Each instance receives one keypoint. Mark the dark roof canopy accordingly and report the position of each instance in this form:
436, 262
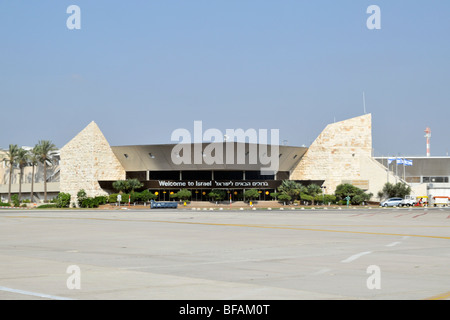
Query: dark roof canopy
159, 157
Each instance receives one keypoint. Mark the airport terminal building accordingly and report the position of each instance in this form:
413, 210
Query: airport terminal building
154, 167
342, 153
88, 162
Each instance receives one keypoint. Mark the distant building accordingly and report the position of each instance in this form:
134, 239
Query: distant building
428, 176
53, 178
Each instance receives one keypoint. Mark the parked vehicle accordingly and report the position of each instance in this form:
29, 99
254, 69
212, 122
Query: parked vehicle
421, 201
156, 205
440, 201
409, 201
391, 202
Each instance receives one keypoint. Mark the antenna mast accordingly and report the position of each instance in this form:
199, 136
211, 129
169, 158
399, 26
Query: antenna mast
428, 136
364, 102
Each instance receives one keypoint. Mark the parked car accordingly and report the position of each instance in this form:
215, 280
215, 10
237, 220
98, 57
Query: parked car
391, 202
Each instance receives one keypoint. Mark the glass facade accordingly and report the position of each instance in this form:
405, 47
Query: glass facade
231, 184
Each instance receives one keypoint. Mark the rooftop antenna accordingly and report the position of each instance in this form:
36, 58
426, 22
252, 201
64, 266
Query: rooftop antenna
364, 102
428, 136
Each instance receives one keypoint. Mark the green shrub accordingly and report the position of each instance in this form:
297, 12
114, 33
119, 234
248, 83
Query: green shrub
49, 205
146, 196
81, 195
329, 198
357, 199
217, 194
134, 196
274, 195
101, 200
306, 197
356, 194
284, 197
3, 204
125, 198
184, 194
325, 199
63, 200
89, 202
15, 200
252, 194
112, 198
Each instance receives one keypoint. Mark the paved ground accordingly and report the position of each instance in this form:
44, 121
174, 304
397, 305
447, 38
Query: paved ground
185, 254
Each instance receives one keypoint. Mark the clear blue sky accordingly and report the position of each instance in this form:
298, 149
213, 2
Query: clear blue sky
142, 69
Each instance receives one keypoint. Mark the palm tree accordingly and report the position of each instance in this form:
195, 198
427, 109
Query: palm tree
120, 185
11, 156
22, 161
314, 190
291, 188
134, 184
33, 160
45, 147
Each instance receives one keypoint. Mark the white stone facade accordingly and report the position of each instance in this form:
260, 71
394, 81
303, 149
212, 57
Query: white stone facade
337, 152
342, 153
87, 159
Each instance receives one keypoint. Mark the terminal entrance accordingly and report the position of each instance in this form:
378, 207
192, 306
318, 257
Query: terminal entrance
230, 195
232, 185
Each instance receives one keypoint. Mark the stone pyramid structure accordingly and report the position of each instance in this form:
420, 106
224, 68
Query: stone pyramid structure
85, 160
337, 153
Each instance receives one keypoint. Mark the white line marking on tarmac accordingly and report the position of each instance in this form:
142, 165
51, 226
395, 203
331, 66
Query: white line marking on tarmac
393, 244
356, 256
321, 271
36, 294
396, 242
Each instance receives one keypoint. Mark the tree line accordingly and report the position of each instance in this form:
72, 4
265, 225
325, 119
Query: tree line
20, 158
291, 191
